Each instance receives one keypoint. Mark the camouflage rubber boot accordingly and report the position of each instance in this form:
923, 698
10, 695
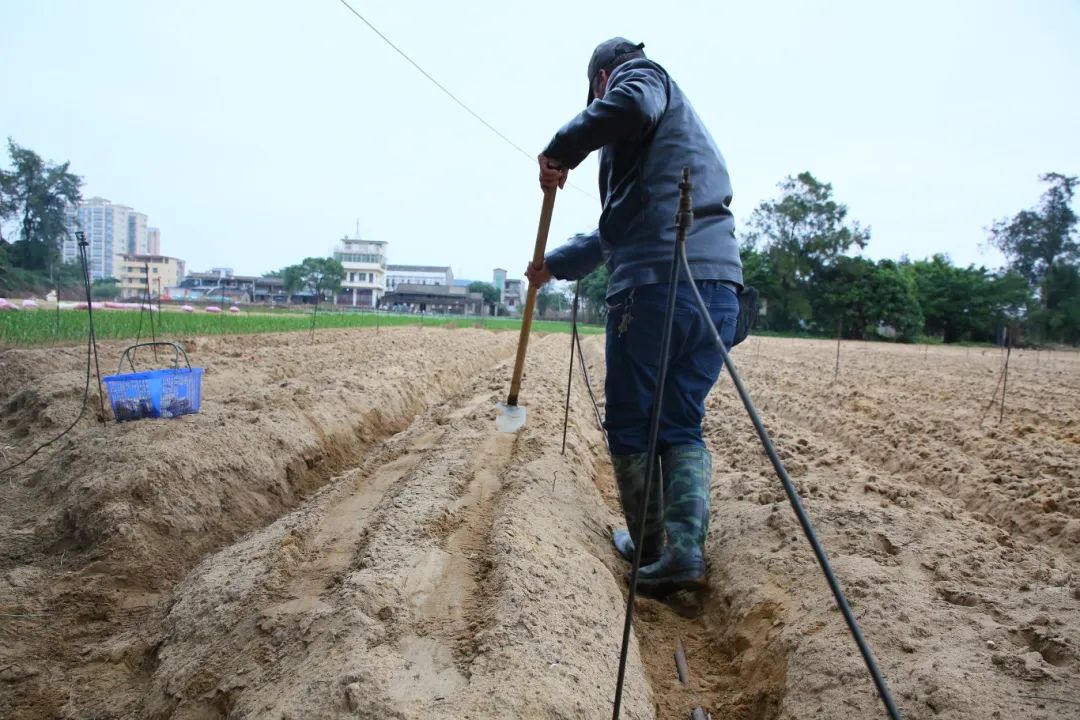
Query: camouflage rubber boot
687, 471
630, 478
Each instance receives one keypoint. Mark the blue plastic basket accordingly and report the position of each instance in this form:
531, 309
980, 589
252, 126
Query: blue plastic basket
165, 393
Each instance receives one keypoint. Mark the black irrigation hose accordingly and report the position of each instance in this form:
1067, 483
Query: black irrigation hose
793, 498
91, 354
680, 263
682, 223
589, 387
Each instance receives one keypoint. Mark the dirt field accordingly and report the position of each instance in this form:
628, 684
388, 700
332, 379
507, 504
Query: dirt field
342, 533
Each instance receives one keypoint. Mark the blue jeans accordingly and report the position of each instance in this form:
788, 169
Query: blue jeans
635, 326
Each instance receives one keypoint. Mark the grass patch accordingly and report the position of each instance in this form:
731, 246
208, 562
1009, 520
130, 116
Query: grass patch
46, 327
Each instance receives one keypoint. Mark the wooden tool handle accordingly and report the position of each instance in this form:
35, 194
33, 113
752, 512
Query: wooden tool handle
530, 300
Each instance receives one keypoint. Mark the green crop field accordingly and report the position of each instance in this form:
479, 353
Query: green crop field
45, 327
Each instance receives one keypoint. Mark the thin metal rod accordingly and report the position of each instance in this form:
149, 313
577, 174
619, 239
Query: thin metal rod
682, 222
839, 334
993, 398
570, 373
1005, 375
56, 285
149, 304
90, 318
796, 503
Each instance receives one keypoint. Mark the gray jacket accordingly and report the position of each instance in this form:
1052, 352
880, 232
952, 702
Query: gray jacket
647, 132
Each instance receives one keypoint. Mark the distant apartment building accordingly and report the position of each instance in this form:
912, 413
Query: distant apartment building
106, 228
137, 238
141, 273
365, 271
153, 241
417, 275
111, 230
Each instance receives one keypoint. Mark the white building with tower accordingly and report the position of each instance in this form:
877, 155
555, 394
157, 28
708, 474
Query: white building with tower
365, 271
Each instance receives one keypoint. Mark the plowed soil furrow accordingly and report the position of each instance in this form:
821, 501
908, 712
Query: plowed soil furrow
993, 469
737, 670
940, 589
113, 516
342, 533
450, 595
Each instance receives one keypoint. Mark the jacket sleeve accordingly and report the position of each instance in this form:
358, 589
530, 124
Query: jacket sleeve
632, 105
577, 258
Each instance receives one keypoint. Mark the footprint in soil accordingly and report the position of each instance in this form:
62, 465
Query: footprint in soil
685, 604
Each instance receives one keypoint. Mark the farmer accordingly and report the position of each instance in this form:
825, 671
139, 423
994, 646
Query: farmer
647, 133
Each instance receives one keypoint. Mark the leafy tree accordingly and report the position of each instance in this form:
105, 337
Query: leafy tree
317, 275
966, 303
105, 289
1041, 245
864, 298
757, 273
1034, 240
755, 264
594, 293
489, 291
35, 194
293, 277
321, 275
1061, 314
549, 299
801, 233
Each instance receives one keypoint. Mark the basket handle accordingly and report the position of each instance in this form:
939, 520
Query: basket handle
177, 352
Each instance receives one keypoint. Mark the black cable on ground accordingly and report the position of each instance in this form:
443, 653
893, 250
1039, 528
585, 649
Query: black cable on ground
575, 344
91, 353
589, 387
793, 498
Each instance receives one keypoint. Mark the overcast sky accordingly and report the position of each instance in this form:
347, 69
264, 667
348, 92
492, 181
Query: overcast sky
256, 133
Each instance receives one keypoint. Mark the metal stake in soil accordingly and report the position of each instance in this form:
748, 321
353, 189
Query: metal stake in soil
147, 304
570, 374
85, 262
1005, 375
839, 334
56, 286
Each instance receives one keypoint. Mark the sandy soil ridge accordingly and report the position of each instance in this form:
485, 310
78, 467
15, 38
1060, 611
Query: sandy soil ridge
345, 540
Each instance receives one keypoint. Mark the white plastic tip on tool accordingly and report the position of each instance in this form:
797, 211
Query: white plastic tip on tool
511, 418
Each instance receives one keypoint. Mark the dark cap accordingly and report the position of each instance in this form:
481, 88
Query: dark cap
606, 55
